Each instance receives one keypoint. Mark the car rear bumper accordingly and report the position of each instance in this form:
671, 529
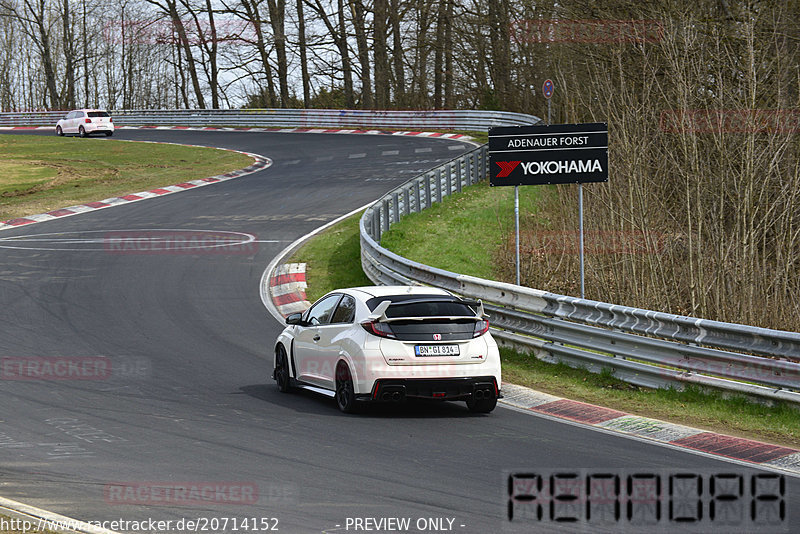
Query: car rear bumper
461, 388
98, 127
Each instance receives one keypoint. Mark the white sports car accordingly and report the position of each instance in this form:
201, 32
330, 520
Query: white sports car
388, 344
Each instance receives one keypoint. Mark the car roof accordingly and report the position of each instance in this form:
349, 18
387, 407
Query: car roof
86, 109
385, 291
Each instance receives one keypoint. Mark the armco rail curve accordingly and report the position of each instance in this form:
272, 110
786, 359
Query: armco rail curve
643, 347
293, 118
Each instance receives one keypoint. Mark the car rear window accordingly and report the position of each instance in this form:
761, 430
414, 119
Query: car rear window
99, 114
422, 306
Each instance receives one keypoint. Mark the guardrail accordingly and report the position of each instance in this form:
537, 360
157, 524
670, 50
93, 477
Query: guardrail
643, 347
293, 118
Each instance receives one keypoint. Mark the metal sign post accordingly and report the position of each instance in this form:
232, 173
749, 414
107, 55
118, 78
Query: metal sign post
580, 231
548, 87
516, 227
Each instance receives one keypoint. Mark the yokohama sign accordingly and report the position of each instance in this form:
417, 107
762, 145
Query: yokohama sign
560, 154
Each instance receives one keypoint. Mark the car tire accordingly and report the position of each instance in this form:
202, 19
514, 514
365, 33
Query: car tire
109, 134
345, 392
59, 131
281, 373
481, 405
82, 132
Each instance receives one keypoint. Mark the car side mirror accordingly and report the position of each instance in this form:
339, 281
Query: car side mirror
295, 319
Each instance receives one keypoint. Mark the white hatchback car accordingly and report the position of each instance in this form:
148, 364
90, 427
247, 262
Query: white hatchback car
388, 344
85, 122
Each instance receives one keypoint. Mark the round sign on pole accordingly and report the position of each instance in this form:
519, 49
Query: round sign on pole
548, 88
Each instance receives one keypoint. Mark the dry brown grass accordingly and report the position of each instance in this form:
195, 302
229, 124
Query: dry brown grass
710, 212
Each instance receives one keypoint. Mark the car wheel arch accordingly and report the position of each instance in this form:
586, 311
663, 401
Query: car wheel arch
346, 359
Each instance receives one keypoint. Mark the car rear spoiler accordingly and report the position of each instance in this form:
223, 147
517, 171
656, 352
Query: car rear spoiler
379, 313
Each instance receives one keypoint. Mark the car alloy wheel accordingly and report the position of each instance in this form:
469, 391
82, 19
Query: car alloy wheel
345, 392
282, 370
82, 132
59, 131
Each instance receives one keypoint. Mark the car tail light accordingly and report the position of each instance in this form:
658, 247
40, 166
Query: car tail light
379, 329
481, 327
110, 119
87, 121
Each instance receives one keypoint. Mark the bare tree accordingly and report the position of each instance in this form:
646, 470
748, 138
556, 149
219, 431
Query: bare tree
302, 44
380, 28
169, 8
35, 21
338, 32
277, 17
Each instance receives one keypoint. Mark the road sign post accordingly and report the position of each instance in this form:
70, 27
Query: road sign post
548, 87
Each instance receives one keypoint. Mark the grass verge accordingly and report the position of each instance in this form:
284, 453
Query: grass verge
40, 174
333, 259
462, 235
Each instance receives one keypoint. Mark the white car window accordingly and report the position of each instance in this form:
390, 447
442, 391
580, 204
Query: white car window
321, 312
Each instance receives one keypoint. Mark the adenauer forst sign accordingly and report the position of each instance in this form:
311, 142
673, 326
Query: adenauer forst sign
559, 154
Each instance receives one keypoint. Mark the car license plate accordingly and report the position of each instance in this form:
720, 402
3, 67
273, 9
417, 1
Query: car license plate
436, 350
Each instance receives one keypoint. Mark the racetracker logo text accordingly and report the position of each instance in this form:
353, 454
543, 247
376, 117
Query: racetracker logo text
181, 493
58, 368
179, 242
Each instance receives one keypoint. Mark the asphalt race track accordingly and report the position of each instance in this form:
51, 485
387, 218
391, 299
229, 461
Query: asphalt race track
190, 402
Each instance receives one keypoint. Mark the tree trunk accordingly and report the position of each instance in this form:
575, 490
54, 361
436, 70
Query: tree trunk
359, 24
381, 55
397, 56
68, 40
438, 57
251, 8
301, 28
339, 37
500, 65
212, 56
277, 15
347, 70
170, 8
